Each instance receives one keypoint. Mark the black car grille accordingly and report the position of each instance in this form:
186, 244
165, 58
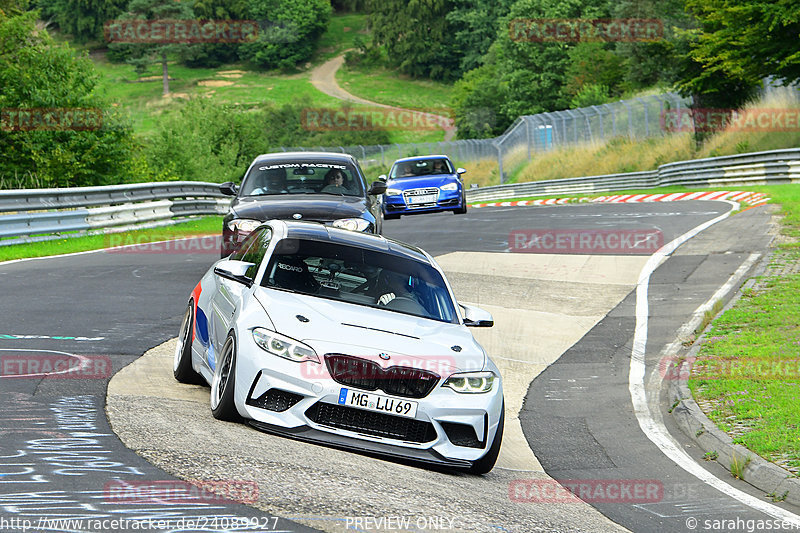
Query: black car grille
276, 400
371, 423
368, 375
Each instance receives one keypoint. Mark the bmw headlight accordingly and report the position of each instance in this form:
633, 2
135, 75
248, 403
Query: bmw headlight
393, 192
244, 225
353, 224
284, 346
471, 382
449, 187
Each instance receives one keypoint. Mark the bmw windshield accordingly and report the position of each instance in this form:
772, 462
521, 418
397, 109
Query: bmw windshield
358, 276
308, 177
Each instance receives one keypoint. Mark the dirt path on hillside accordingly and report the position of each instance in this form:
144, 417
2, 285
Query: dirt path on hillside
323, 77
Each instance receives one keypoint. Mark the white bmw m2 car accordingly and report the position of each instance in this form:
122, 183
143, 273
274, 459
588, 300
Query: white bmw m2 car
346, 339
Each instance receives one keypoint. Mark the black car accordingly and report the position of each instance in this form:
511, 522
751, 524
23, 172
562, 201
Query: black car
315, 186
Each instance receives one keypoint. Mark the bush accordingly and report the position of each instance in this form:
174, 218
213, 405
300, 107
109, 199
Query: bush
290, 30
62, 157
208, 141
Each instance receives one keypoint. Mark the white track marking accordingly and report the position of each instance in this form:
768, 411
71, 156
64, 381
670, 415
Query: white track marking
655, 431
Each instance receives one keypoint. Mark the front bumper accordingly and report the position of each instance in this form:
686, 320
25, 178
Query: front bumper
446, 200
301, 400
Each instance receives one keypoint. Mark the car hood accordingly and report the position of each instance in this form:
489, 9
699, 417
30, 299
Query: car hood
321, 207
339, 327
432, 180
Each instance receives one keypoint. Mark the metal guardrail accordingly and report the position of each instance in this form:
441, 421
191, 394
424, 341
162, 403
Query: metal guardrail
42, 214
758, 168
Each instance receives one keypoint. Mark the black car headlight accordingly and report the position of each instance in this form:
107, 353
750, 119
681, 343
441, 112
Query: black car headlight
243, 225
471, 382
352, 224
283, 346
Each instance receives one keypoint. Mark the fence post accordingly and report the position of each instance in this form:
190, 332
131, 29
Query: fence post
630, 118
613, 120
528, 134
500, 163
646, 118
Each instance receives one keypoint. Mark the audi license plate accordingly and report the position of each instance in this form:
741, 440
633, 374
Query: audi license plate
377, 403
423, 199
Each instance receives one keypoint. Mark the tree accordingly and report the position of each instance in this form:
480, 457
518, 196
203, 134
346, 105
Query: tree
475, 25
215, 54
290, 31
38, 75
141, 55
417, 36
83, 19
747, 39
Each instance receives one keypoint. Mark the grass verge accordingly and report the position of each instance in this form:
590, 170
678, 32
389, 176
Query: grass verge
747, 374
199, 226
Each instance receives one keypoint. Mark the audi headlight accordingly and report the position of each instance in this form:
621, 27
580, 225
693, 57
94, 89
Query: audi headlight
393, 192
284, 346
353, 224
244, 225
449, 187
471, 382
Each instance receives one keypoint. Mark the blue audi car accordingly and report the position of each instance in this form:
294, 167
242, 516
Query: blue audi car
423, 184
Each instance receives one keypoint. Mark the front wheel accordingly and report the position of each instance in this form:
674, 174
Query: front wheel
487, 462
390, 217
224, 383
182, 363
463, 209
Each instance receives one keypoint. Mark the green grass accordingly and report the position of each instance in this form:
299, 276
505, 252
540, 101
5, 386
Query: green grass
200, 226
144, 102
340, 35
749, 365
389, 87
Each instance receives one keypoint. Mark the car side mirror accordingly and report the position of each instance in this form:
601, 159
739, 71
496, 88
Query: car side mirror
228, 188
382, 177
235, 271
460, 170
377, 188
476, 317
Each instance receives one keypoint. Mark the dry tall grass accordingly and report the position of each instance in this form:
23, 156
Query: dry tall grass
626, 155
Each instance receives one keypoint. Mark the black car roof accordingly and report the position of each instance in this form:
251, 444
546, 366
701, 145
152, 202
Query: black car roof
301, 157
378, 243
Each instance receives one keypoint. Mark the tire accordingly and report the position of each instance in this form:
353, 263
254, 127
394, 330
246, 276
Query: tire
463, 209
223, 385
182, 363
487, 462
390, 217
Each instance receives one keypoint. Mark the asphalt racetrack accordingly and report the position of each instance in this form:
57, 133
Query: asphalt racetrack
568, 339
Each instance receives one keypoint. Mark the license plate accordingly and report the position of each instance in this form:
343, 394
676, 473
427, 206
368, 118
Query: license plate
424, 199
377, 403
